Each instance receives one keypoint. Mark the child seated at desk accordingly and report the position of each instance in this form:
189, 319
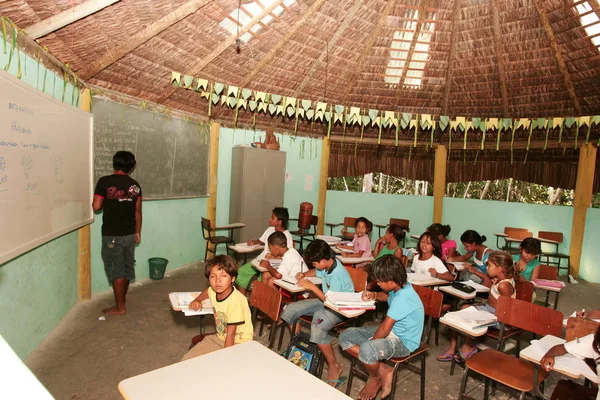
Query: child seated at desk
390, 243
503, 273
232, 313
428, 258
291, 261
398, 335
361, 244
333, 277
442, 232
277, 223
527, 259
585, 347
473, 243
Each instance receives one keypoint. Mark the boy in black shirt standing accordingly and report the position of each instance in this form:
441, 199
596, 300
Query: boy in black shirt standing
121, 197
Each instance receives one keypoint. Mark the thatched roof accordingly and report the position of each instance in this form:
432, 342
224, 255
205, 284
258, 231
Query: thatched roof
473, 58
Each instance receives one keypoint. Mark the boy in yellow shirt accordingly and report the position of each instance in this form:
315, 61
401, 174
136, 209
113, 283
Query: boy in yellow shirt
232, 313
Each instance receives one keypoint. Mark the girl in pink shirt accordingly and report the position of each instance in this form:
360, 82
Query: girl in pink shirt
442, 232
361, 244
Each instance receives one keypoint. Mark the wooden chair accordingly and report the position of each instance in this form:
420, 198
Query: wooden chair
268, 301
555, 255
580, 327
508, 370
515, 233
549, 273
432, 302
404, 223
524, 293
308, 234
207, 234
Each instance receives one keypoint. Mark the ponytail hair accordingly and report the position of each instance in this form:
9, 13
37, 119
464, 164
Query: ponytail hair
439, 229
472, 236
397, 231
506, 262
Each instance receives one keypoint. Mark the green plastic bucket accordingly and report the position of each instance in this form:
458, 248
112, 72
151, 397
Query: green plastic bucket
157, 265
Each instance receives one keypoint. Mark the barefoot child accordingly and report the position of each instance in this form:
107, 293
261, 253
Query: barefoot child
121, 198
232, 313
277, 223
398, 335
333, 277
291, 261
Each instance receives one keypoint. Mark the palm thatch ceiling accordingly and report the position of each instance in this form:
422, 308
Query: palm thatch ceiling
474, 58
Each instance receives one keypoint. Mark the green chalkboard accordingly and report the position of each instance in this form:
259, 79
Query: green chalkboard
171, 153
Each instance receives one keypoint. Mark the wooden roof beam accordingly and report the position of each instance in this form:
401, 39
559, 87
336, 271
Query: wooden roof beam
199, 66
367, 50
411, 49
562, 66
67, 17
595, 4
450, 70
499, 53
135, 41
330, 44
281, 43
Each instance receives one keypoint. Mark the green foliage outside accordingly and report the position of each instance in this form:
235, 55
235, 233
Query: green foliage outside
499, 190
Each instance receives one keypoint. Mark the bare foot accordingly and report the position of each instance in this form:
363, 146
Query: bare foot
333, 374
386, 373
114, 310
371, 388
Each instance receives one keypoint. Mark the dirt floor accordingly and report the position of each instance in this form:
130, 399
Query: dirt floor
87, 356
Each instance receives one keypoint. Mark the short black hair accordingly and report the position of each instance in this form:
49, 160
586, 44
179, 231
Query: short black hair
277, 239
316, 251
281, 213
388, 268
531, 245
224, 262
472, 236
368, 223
435, 242
123, 161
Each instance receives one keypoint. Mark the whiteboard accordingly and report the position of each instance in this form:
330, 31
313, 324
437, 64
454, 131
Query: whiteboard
45, 168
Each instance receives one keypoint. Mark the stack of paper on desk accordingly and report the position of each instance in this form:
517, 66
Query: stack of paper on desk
180, 301
349, 301
549, 283
472, 318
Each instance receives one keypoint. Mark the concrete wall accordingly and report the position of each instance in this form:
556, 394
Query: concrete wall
590, 259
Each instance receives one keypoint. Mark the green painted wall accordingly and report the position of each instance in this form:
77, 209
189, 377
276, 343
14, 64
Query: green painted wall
38, 288
379, 208
303, 159
170, 229
589, 268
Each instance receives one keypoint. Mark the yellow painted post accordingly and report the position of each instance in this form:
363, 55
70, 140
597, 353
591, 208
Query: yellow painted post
84, 261
326, 147
439, 182
213, 169
583, 200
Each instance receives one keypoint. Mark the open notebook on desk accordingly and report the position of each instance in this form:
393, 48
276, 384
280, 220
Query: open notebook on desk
180, 301
568, 362
471, 318
349, 301
275, 263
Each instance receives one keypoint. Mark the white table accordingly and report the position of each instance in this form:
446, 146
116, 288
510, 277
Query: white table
425, 280
229, 373
234, 225
548, 289
243, 248
462, 329
354, 260
458, 293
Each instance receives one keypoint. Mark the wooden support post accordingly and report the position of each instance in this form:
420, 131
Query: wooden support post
323, 184
439, 182
213, 169
84, 258
583, 199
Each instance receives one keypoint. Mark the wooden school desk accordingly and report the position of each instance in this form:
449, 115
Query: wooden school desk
548, 289
244, 249
354, 260
295, 289
231, 373
464, 330
425, 280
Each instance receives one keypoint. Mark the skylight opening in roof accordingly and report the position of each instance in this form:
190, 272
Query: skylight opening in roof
247, 12
400, 47
589, 20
